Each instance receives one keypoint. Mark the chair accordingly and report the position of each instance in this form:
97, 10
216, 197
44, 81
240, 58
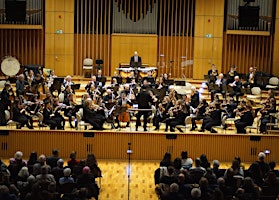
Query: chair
273, 83
87, 66
80, 122
275, 124
255, 125
8, 119
256, 93
223, 124
2, 83
188, 123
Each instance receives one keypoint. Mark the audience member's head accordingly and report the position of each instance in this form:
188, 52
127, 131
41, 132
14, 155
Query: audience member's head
184, 154
261, 156
272, 165
196, 193
67, 172
216, 164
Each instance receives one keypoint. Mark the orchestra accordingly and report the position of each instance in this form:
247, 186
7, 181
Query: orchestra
111, 102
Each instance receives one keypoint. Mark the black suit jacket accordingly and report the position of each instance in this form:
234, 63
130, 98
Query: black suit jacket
132, 60
144, 100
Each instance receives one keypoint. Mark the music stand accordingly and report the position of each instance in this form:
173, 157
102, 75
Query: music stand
75, 87
169, 82
181, 83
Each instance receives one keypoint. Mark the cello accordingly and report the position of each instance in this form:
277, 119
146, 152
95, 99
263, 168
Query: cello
124, 104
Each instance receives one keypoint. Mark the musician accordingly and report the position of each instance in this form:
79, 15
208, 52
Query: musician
30, 77
231, 74
68, 81
20, 85
126, 90
268, 107
195, 97
135, 60
246, 119
57, 109
5, 102
250, 77
179, 114
20, 115
199, 114
213, 119
94, 92
50, 119
236, 85
100, 78
219, 82
70, 110
109, 98
162, 112
93, 81
123, 102
149, 78
144, 100
160, 83
212, 73
230, 108
51, 76
92, 116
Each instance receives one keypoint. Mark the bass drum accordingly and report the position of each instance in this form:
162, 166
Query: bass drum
10, 66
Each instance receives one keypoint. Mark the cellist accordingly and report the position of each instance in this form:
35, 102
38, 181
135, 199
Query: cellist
123, 104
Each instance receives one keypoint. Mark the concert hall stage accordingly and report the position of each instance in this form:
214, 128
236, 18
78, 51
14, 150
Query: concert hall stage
112, 144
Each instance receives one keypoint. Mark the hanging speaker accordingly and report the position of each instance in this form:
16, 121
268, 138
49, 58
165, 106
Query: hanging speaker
249, 16
15, 10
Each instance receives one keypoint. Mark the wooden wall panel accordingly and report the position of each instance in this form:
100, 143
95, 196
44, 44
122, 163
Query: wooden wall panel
208, 36
145, 146
275, 61
26, 45
245, 51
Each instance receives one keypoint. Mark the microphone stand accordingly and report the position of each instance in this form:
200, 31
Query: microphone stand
129, 152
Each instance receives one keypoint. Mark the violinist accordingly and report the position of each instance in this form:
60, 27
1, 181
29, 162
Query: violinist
109, 98
268, 108
50, 119
246, 119
68, 81
200, 113
57, 109
230, 108
92, 116
20, 115
213, 119
69, 110
93, 81
30, 77
67, 91
124, 116
250, 77
160, 83
212, 73
179, 114
162, 111
5, 101
20, 85
51, 76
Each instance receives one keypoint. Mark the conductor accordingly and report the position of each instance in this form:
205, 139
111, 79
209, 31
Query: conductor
135, 60
144, 102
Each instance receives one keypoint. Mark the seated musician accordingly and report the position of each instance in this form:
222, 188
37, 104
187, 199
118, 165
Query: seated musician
212, 73
178, 113
20, 115
212, 119
51, 76
93, 81
236, 85
30, 77
93, 92
160, 83
135, 60
250, 78
230, 108
123, 102
70, 110
199, 114
68, 81
126, 90
162, 112
109, 97
246, 119
20, 85
268, 107
50, 119
154, 98
92, 116
150, 79
231, 74
219, 82
101, 80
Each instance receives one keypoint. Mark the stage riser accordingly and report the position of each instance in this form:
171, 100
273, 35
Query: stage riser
145, 146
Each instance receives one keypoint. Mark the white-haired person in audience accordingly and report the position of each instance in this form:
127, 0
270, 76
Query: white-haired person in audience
67, 177
23, 174
16, 163
196, 194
